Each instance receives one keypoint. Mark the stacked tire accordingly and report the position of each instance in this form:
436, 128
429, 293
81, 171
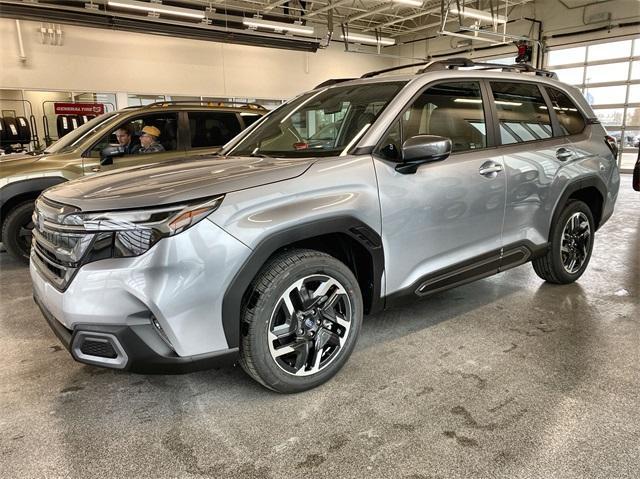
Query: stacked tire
66, 124
24, 130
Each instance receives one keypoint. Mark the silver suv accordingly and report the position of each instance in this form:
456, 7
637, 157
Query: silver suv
272, 252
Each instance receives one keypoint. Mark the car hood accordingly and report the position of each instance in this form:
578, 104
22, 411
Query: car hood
174, 181
24, 157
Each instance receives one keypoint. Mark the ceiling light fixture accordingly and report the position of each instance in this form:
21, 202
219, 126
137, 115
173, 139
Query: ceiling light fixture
156, 8
413, 3
478, 14
360, 38
278, 26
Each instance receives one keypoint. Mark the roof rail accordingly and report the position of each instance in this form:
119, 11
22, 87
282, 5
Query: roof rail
333, 81
226, 104
455, 63
392, 69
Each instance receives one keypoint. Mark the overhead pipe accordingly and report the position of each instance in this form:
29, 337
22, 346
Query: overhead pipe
22, 55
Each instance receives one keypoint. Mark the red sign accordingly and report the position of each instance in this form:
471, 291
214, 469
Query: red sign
78, 108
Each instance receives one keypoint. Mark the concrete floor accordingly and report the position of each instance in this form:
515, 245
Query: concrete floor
506, 377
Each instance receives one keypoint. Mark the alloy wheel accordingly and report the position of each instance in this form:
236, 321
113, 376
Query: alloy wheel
24, 237
576, 240
309, 325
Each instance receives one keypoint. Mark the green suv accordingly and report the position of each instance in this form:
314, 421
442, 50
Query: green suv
108, 142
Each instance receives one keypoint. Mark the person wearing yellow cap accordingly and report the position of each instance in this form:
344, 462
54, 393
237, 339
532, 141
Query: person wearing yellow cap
149, 140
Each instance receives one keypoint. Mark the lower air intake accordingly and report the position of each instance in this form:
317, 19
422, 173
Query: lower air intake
98, 347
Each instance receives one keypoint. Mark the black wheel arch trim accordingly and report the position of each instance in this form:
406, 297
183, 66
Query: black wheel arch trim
31, 185
575, 186
352, 227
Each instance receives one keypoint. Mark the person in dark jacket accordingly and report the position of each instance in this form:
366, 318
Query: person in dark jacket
124, 135
149, 140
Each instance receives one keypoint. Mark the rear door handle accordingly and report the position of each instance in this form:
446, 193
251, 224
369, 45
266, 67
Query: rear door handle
563, 154
490, 169
96, 169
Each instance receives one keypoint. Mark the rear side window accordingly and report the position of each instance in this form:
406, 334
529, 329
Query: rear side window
522, 112
249, 118
212, 128
569, 117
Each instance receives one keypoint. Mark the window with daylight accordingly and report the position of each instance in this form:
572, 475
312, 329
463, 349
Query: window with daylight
608, 75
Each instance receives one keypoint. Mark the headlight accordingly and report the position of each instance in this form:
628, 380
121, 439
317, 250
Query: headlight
132, 232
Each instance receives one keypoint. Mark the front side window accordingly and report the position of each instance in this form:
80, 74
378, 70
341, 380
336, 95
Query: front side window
522, 112
146, 134
212, 128
569, 117
453, 110
320, 123
74, 139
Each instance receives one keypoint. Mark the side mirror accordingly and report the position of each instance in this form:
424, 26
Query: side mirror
110, 152
422, 149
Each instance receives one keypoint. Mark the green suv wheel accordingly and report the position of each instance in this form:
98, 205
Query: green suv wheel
17, 231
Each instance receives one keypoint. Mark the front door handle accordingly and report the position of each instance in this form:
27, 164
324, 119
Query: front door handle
96, 169
563, 154
490, 169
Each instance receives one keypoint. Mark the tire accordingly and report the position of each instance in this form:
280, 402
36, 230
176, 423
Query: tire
15, 240
298, 275
556, 265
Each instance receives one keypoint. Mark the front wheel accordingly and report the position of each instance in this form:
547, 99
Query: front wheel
301, 321
17, 231
571, 245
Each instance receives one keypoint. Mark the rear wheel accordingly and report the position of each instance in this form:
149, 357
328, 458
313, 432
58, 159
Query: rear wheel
571, 245
17, 231
301, 322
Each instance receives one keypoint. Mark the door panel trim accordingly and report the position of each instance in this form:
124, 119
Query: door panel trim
467, 271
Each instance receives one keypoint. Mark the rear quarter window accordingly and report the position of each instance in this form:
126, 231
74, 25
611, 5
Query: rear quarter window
570, 119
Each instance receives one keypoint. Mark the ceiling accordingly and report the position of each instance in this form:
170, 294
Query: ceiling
393, 19
388, 17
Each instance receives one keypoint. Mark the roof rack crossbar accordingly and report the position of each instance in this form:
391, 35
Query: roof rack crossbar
228, 104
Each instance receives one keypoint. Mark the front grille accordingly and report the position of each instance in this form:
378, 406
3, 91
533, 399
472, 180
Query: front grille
98, 347
58, 254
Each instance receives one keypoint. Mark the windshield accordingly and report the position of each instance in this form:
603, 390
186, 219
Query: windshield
71, 140
320, 123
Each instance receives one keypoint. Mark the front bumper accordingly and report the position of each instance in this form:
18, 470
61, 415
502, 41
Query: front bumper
158, 312
131, 348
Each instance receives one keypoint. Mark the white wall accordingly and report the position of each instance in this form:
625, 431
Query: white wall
115, 61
